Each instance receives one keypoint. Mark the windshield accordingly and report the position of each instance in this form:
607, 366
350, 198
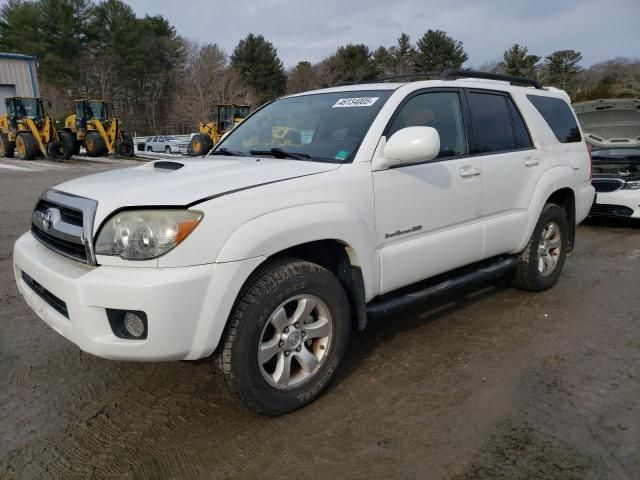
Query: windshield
171, 139
618, 161
29, 107
98, 110
319, 127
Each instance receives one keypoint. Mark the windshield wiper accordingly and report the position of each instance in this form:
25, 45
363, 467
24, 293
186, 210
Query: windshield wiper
224, 151
279, 153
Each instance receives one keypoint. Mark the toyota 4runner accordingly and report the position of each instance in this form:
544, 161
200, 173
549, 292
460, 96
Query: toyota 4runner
318, 210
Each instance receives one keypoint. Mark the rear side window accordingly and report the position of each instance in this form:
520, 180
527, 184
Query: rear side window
558, 116
492, 130
523, 140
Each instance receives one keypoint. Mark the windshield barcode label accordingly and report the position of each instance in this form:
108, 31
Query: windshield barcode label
355, 102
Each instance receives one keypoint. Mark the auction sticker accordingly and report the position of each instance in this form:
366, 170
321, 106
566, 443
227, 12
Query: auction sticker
355, 102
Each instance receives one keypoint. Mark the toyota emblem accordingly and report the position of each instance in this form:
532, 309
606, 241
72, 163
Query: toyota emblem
47, 220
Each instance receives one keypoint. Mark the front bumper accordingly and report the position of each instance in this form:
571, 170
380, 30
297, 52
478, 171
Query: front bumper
621, 204
179, 148
186, 307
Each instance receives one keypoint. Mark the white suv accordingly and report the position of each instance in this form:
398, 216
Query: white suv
612, 128
318, 210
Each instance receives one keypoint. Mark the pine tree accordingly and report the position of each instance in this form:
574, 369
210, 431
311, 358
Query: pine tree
256, 61
403, 55
353, 63
519, 63
437, 51
561, 67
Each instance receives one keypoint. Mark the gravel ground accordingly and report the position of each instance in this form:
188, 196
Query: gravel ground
490, 383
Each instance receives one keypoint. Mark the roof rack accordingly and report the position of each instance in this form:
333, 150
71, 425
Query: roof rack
450, 74
406, 76
453, 74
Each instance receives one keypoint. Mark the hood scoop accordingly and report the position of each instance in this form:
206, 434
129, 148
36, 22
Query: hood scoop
167, 165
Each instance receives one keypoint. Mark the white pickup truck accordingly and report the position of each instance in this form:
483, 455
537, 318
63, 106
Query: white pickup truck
320, 209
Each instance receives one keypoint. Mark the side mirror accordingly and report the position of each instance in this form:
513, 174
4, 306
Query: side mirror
411, 145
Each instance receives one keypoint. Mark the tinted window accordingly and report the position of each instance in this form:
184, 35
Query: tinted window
492, 129
440, 110
523, 140
558, 115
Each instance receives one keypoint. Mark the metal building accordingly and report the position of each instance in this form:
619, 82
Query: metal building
17, 77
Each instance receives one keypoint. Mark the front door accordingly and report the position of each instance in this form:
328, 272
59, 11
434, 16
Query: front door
427, 214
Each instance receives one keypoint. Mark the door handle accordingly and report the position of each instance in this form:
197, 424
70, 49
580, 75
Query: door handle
469, 172
532, 162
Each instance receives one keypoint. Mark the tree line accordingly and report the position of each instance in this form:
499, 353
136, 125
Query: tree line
160, 82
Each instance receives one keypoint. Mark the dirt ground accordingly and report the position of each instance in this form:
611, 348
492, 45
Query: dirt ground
492, 383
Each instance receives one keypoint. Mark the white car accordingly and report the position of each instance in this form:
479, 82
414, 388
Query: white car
612, 127
165, 144
318, 210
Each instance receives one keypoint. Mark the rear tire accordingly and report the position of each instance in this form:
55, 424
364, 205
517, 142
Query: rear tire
541, 262
26, 146
69, 141
57, 150
285, 338
94, 144
167, 150
6, 147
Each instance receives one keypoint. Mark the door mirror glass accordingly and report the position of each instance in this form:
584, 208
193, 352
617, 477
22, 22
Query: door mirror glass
412, 145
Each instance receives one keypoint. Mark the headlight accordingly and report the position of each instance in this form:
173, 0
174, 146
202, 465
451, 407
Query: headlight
635, 185
145, 234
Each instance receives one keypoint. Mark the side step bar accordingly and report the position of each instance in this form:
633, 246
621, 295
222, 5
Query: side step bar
395, 304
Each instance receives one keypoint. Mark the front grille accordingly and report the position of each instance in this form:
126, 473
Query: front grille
54, 302
605, 210
67, 214
70, 249
605, 185
62, 222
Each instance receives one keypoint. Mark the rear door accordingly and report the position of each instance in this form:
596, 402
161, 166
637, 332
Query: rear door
511, 167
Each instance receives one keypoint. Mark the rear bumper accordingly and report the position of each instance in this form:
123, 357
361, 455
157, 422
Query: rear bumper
186, 307
585, 196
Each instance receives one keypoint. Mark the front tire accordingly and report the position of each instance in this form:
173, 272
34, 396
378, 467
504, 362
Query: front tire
124, 147
26, 146
541, 262
94, 144
285, 338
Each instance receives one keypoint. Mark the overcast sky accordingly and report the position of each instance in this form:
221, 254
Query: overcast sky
312, 30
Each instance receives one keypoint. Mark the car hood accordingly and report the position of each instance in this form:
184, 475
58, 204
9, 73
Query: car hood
610, 123
185, 182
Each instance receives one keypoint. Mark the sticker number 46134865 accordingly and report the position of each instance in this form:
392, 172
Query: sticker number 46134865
355, 102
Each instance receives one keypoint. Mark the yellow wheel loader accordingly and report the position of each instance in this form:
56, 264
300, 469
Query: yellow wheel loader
228, 116
92, 128
26, 129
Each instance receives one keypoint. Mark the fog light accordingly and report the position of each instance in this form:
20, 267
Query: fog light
134, 325
129, 324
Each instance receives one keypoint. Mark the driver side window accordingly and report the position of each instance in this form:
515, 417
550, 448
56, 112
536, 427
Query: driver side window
440, 110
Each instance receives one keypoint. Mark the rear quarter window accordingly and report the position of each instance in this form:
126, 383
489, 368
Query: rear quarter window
558, 116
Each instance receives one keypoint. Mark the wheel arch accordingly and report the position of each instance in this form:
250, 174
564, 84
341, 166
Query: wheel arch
554, 186
342, 261
329, 234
